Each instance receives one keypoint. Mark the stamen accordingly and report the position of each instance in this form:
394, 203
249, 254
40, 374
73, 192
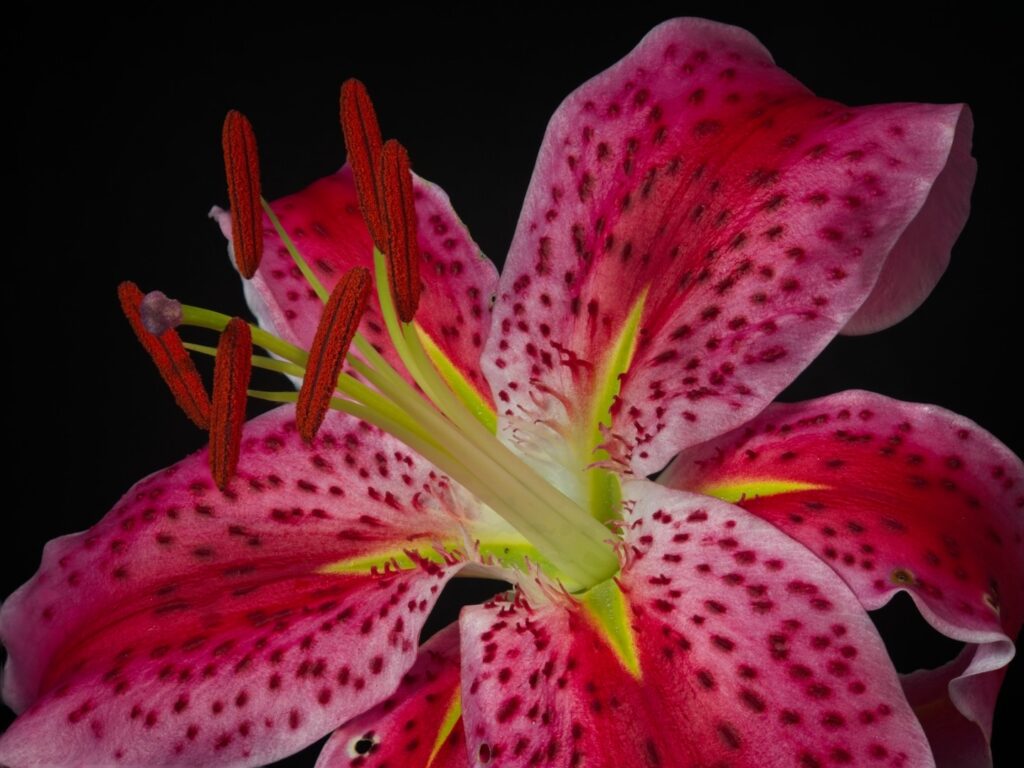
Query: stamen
241, 163
227, 416
258, 361
338, 325
300, 262
400, 215
171, 358
363, 144
434, 420
218, 321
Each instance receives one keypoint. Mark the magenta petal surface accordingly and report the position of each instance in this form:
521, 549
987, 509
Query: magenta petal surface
408, 728
194, 627
751, 653
903, 497
921, 255
753, 217
324, 222
956, 741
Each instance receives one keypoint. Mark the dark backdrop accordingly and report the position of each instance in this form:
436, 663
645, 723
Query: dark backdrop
115, 160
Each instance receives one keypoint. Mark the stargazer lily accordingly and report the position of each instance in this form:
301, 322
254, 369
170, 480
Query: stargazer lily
697, 229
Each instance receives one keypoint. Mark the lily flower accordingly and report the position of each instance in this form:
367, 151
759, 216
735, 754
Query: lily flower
698, 227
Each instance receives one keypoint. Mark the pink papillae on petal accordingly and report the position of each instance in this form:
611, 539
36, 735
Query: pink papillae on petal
751, 653
409, 727
956, 741
325, 224
753, 217
195, 627
902, 497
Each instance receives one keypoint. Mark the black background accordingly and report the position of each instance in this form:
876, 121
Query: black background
115, 160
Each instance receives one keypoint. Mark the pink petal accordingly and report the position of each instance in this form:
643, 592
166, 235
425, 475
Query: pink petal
912, 498
921, 255
324, 222
194, 627
751, 653
956, 741
756, 217
408, 728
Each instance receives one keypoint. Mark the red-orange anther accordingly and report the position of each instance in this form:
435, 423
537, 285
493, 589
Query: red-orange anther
400, 216
171, 358
227, 415
338, 325
363, 144
242, 166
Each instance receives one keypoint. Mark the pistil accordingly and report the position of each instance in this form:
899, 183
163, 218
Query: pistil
541, 512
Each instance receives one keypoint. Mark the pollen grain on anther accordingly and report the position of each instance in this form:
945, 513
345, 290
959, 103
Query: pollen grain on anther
363, 143
171, 358
227, 415
242, 166
400, 216
334, 335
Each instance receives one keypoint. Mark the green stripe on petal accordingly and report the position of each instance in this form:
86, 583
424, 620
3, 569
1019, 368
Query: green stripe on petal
504, 551
606, 608
742, 490
379, 561
451, 718
605, 493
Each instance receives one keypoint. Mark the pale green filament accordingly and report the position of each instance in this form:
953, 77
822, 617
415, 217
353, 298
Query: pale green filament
582, 527
307, 272
217, 321
258, 361
458, 383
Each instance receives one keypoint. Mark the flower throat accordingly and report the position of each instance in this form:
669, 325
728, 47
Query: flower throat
442, 418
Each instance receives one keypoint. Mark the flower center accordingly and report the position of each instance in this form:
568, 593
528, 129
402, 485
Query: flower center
439, 423
442, 417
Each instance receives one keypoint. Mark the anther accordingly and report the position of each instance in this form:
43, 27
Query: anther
363, 144
338, 326
171, 358
227, 414
242, 166
400, 216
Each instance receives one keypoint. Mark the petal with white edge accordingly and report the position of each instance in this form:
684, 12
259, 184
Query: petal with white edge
894, 496
956, 741
698, 227
195, 627
749, 651
420, 724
